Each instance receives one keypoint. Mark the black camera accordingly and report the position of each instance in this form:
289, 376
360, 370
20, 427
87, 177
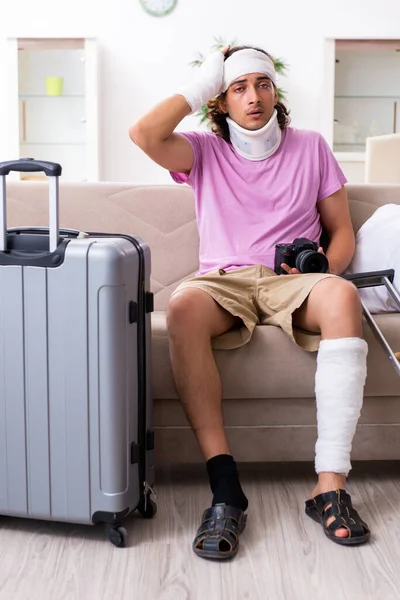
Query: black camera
303, 255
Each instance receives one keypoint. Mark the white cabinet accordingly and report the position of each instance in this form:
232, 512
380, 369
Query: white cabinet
367, 92
53, 105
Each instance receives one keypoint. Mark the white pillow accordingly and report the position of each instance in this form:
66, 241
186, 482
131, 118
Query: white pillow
378, 248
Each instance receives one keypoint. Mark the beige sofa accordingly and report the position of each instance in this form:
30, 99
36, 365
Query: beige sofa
268, 385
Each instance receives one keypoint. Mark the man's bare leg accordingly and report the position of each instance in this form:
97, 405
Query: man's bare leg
193, 318
334, 309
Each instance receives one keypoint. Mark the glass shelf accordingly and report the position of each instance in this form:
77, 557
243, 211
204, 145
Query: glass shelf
24, 96
371, 97
52, 144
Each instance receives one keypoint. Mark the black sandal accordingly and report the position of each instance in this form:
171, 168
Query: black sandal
218, 534
345, 516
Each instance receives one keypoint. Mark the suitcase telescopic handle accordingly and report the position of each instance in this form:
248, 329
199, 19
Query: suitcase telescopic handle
29, 165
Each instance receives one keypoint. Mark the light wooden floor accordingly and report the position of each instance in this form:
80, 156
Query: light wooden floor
283, 555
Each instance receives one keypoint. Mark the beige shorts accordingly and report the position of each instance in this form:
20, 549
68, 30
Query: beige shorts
259, 297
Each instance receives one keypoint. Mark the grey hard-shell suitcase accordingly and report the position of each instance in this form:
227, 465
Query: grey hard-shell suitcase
76, 438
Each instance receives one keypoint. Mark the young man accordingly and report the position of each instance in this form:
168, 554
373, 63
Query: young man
258, 182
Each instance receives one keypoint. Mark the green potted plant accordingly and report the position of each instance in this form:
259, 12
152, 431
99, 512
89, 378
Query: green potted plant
219, 44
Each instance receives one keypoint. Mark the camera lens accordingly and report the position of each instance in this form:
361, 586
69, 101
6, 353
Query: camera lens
310, 261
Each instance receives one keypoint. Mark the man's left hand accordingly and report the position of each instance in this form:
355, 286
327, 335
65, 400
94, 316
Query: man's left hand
293, 271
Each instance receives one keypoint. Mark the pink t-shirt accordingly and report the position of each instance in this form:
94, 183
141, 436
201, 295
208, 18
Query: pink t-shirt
245, 207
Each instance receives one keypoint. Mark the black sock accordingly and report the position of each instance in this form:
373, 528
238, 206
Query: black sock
224, 482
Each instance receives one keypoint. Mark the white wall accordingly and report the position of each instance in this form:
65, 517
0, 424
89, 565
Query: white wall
144, 59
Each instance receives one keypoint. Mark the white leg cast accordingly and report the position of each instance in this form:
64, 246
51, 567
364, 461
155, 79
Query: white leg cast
339, 386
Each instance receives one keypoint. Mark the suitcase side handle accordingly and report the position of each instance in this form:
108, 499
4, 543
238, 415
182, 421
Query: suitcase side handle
24, 165
70, 233
29, 165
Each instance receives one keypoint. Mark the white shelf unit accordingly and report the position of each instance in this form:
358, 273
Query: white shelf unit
366, 92
62, 128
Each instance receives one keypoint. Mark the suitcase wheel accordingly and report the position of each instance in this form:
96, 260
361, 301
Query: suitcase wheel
118, 536
150, 511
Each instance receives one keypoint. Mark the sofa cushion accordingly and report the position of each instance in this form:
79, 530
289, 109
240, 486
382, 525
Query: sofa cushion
374, 194
272, 366
162, 215
360, 212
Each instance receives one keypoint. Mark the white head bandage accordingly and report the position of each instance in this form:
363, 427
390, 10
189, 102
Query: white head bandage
247, 61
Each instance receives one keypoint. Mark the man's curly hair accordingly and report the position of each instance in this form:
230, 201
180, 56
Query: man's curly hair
219, 126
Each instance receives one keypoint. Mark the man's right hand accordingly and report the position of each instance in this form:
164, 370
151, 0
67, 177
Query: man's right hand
208, 82
154, 132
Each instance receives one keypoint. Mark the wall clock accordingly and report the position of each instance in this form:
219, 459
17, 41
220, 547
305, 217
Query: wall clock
158, 8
